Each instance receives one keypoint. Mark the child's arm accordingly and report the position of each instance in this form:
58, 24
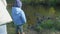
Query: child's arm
23, 16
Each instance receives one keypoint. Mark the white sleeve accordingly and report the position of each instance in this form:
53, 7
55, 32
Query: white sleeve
5, 3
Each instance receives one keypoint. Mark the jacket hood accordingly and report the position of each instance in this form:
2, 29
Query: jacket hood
17, 3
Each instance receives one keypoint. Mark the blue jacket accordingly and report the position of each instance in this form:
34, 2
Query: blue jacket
18, 16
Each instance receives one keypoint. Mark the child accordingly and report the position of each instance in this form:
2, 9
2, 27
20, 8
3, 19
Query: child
18, 16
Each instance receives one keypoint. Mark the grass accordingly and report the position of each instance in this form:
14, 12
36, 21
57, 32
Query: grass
10, 28
29, 10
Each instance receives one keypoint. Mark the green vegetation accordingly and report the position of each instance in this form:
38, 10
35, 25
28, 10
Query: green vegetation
31, 10
36, 1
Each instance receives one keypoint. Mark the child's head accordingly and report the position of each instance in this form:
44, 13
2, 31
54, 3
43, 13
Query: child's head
17, 3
